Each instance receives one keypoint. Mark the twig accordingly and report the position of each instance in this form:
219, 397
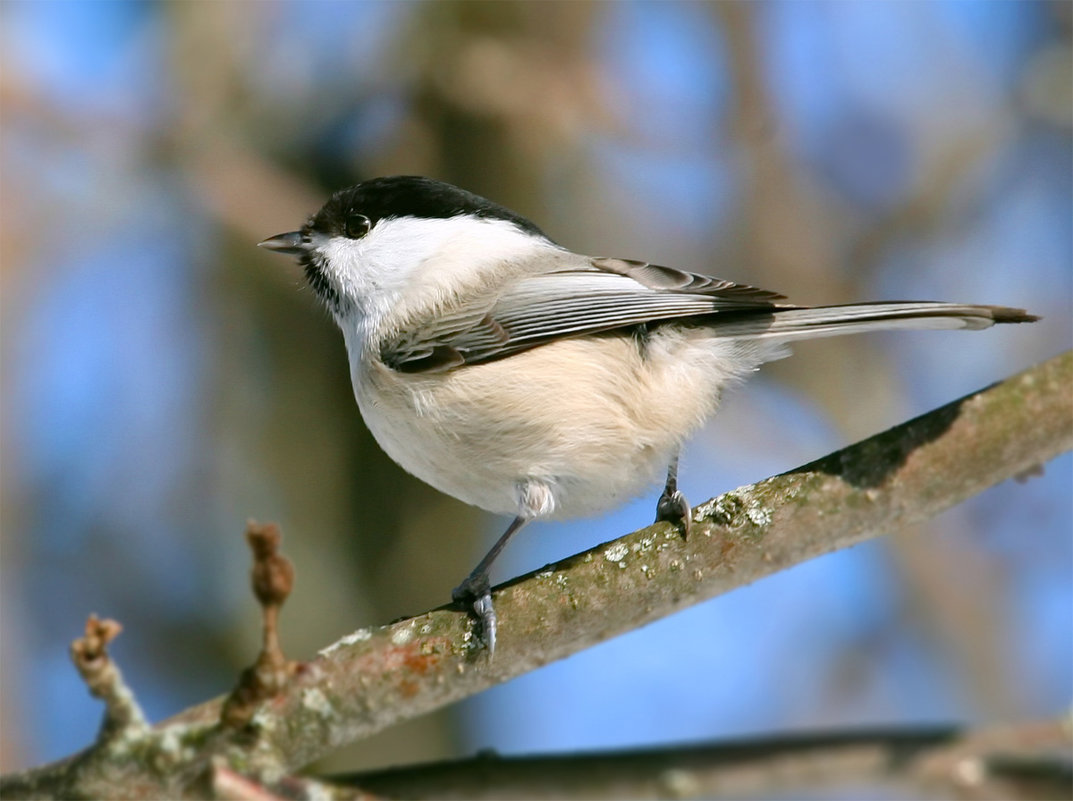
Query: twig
272, 578
102, 676
130, 759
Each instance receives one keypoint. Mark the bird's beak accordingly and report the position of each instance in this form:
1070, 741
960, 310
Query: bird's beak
286, 243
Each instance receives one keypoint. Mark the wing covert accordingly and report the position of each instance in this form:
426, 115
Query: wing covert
595, 296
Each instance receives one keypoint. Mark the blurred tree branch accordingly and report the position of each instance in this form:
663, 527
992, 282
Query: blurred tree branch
1008, 762
375, 678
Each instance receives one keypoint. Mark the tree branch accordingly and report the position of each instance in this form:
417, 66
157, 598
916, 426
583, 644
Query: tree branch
1027, 760
374, 678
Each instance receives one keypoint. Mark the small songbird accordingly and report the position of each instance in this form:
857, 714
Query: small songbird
531, 381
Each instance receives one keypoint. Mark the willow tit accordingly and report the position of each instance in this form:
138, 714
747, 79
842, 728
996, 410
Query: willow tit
517, 376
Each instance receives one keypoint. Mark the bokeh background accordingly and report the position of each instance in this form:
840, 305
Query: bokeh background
163, 379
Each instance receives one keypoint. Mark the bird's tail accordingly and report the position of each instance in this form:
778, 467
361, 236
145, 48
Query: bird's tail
796, 322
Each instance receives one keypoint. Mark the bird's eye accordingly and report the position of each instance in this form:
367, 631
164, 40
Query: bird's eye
356, 225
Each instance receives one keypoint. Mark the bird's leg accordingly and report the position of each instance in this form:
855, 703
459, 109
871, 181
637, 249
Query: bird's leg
672, 505
476, 591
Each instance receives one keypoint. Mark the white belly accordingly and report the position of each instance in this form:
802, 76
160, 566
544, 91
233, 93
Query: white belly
555, 427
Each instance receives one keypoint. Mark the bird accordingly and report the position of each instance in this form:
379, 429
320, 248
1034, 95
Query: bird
531, 381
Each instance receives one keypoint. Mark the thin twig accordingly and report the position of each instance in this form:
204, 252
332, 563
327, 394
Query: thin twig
102, 676
272, 578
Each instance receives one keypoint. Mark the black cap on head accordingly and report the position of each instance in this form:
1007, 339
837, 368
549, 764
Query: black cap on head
407, 196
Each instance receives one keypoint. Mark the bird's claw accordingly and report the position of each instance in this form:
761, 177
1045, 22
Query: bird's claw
674, 508
475, 594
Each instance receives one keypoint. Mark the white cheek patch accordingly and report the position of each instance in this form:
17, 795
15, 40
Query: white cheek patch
343, 267
379, 266
410, 263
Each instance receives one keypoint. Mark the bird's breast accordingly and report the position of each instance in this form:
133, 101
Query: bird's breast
593, 419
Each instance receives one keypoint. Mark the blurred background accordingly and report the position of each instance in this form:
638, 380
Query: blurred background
163, 379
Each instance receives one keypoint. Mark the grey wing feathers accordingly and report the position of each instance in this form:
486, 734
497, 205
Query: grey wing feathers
444, 343
602, 295
655, 276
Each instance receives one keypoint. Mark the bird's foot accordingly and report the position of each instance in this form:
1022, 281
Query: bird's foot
475, 594
674, 508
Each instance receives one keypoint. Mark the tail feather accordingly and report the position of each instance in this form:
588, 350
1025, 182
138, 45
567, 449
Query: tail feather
793, 323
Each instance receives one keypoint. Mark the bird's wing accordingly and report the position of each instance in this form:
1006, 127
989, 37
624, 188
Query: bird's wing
593, 296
